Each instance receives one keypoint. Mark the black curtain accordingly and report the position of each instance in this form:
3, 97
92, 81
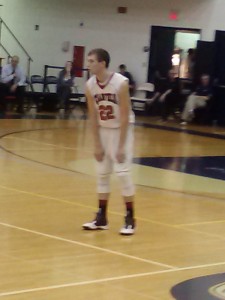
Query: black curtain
161, 51
204, 60
220, 57
219, 106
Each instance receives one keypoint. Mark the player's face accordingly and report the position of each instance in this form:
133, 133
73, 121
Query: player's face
94, 65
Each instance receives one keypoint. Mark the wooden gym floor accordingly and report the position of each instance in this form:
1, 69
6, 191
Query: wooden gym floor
47, 188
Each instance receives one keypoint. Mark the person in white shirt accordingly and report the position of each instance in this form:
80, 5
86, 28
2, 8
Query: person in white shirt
112, 127
13, 81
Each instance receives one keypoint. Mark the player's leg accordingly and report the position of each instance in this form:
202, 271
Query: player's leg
127, 187
103, 191
104, 170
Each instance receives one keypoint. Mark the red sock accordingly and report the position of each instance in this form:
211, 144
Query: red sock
103, 206
130, 209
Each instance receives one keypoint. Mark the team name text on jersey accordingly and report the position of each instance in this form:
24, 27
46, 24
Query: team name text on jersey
105, 97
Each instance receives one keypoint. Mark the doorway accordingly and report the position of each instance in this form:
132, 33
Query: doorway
170, 48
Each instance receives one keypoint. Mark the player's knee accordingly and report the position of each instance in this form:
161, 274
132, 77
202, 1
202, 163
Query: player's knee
103, 185
126, 184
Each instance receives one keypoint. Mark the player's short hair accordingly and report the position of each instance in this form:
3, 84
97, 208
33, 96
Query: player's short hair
102, 55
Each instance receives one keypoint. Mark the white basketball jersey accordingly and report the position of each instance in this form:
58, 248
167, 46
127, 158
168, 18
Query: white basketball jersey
107, 100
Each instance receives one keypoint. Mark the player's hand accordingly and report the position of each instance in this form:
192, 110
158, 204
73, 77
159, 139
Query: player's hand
99, 154
120, 156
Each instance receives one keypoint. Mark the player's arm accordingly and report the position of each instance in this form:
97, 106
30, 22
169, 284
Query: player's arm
124, 104
98, 150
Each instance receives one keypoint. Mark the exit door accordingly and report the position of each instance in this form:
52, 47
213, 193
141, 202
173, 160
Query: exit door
78, 60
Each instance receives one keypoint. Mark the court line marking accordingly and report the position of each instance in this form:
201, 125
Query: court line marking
26, 149
180, 227
202, 223
47, 144
109, 279
212, 235
177, 226
45, 197
88, 246
188, 130
78, 172
164, 224
78, 204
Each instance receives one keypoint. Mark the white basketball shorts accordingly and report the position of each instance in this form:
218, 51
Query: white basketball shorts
110, 142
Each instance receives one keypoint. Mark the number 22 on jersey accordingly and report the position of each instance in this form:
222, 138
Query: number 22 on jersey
106, 112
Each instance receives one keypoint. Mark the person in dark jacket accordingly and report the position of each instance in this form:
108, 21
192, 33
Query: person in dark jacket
170, 94
64, 85
123, 71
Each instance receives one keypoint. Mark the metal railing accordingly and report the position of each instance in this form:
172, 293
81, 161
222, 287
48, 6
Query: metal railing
6, 51
29, 59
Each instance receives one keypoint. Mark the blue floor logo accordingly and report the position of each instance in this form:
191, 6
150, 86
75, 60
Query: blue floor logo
207, 166
210, 287
218, 290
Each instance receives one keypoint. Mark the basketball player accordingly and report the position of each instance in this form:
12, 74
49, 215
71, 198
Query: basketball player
112, 125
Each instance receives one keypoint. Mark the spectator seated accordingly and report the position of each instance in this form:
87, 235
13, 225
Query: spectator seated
202, 115
199, 103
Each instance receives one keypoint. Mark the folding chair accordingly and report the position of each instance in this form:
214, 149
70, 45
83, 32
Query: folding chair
50, 80
142, 96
